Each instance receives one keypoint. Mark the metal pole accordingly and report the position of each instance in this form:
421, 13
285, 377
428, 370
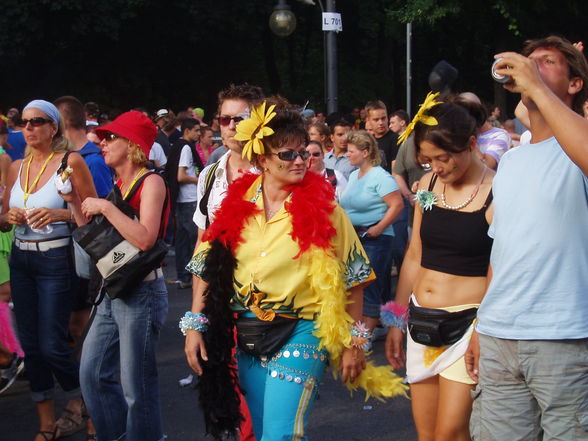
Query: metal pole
331, 64
408, 68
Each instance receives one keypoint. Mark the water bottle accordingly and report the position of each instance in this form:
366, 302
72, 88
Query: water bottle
47, 229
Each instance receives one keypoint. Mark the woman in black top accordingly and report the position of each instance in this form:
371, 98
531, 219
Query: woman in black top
445, 271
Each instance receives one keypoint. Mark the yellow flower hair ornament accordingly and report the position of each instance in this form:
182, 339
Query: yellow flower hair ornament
421, 117
254, 129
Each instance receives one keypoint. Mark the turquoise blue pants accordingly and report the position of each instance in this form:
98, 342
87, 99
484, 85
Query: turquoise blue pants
280, 389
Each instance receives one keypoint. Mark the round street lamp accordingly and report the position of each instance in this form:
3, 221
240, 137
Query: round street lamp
282, 22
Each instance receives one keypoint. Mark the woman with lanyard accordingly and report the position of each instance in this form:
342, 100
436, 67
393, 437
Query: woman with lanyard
372, 201
118, 369
41, 265
283, 256
444, 274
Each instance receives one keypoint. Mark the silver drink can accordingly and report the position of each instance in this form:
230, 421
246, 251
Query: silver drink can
496, 76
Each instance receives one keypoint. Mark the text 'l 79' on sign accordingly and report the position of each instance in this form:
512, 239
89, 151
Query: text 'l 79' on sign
332, 22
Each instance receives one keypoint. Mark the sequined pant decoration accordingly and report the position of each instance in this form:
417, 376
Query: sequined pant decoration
280, 389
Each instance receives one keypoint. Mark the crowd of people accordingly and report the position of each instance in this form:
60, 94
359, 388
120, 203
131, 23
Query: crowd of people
456, 235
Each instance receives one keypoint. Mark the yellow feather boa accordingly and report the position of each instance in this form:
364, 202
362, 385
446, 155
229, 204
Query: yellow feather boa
333, 328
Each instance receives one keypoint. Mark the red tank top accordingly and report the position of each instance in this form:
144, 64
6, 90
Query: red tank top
135, 202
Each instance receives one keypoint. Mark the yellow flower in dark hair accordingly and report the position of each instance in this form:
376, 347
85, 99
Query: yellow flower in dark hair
254, 129
420, 116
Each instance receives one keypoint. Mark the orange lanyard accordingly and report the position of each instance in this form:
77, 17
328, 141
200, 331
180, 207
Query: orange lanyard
137, 176
27, 190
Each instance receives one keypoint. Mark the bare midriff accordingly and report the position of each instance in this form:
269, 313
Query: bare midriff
435, 289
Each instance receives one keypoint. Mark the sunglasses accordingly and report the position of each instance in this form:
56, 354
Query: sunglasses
226, 120
36, 121
111, 137
316, 154
291, 155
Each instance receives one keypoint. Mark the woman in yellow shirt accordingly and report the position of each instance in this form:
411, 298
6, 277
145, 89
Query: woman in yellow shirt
283, 258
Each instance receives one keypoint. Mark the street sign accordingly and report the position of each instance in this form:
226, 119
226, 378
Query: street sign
332, 22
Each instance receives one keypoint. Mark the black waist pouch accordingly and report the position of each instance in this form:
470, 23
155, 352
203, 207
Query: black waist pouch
436, 327
257, 337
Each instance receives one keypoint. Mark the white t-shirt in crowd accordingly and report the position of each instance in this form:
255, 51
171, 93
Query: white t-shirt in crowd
187, 191
217, 192
525, 138
340, 185
157, 154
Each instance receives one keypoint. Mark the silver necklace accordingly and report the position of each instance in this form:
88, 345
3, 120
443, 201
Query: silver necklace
271, 211
468, 200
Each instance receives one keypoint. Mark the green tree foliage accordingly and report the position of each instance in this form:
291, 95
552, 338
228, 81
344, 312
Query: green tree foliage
156, 53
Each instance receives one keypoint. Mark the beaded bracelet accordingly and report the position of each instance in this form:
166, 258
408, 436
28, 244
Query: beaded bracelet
195, 322
361, 337
393, 314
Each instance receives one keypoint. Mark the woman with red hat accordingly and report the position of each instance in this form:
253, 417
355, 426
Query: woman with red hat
125, 331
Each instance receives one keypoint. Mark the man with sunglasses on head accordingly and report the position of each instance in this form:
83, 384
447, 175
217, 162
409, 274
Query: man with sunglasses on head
317, 164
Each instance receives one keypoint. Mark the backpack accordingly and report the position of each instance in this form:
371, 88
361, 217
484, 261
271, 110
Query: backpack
171, 168
208, 183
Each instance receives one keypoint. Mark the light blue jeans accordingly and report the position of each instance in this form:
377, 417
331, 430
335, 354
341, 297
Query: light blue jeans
123, 338
281, 389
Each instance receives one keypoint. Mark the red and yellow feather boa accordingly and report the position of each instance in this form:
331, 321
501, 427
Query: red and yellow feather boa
311, 207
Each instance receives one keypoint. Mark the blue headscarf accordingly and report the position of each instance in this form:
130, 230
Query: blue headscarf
49, 109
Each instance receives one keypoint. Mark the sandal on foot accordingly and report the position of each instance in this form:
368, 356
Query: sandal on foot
70, 423
48, 435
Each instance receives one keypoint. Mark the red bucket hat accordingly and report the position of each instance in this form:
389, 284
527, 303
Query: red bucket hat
134, 126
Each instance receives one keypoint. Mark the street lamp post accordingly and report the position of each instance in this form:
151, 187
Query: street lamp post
331, 65
409, 67
282, 22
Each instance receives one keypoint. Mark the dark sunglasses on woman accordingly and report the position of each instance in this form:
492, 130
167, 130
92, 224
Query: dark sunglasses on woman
111, 137
37, 121
291, 155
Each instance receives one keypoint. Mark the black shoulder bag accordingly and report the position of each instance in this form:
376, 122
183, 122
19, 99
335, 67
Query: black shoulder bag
122, 265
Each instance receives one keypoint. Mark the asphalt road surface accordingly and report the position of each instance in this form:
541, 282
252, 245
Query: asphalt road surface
336, 415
